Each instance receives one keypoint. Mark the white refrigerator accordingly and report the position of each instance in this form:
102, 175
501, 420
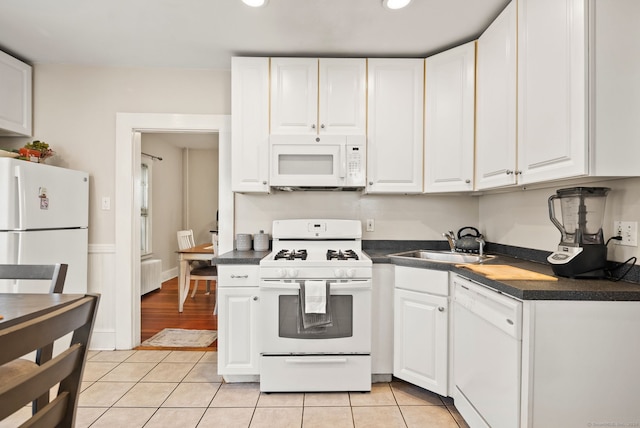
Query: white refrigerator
44, 215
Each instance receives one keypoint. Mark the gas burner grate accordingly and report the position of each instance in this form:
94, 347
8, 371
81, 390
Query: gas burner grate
342, 255
291, 255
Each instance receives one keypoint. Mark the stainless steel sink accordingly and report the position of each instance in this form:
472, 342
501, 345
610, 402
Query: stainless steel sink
443, 256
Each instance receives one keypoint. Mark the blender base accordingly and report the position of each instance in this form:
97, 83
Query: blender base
589, 263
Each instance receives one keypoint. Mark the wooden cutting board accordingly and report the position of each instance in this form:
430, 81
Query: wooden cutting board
506, 272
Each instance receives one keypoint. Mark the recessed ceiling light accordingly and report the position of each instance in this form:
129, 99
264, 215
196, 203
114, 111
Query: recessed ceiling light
255, 3
395, 4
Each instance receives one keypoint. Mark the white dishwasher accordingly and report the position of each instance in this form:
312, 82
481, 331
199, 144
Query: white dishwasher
487, 329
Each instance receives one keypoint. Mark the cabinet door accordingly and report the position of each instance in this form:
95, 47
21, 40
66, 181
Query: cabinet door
342, 92
449, 120
294, 95
552, 88
394, 129
420, 339
250, 124
237, 336
496, 103
15, 96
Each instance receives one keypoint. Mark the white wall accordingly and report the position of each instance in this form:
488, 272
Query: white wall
521, 218
419, 217
203, 193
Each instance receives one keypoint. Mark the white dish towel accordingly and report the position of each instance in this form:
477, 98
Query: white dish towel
315, 297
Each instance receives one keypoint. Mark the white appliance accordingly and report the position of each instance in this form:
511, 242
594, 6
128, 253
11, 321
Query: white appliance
324, 350
44, 217
487, 355
317, 162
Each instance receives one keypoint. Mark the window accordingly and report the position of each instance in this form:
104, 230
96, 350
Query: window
145, 209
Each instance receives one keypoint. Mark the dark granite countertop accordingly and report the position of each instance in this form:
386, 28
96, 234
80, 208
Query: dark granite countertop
563, 289
240, 257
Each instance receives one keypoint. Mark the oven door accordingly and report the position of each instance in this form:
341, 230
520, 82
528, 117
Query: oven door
282, 327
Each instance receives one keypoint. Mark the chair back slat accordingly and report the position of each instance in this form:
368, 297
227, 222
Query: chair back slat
53, 415
23, 338
55, 273
185, 239
31, 385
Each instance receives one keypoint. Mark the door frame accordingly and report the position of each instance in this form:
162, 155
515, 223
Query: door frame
127, 208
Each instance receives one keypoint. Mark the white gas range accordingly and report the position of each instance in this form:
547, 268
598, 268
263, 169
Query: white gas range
315, 308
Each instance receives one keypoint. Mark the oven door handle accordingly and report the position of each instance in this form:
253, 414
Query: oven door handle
335, 286
308, 360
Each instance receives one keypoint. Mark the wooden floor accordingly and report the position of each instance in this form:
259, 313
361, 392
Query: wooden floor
159, 310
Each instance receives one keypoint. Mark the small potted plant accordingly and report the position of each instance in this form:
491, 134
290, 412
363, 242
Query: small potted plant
36, 151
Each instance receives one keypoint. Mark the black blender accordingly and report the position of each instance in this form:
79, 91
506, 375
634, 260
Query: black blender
582, 252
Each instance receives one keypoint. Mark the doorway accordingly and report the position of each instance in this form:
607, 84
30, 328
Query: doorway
179, 189
127, 227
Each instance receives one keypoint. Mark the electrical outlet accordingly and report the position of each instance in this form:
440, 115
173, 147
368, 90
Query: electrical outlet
628, 231
370, 225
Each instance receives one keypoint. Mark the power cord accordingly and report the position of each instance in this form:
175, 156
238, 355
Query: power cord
617, 238
619, 265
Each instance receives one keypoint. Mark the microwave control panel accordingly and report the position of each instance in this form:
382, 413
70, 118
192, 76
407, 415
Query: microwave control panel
355, 165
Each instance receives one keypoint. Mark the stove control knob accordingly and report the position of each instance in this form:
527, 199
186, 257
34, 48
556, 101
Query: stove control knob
281, 273
292, 273
351, 273
339, 273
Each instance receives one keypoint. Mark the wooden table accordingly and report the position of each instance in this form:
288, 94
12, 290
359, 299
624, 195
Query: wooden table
199, 252
18, 307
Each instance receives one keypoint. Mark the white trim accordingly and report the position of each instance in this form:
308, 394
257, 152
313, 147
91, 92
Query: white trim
127, 275
102, 248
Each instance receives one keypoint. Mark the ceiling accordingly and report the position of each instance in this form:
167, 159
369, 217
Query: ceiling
205, 34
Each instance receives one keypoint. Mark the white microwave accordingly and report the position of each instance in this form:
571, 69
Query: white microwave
314, 161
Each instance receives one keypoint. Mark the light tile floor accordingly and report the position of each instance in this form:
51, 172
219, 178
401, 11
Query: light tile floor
182, 389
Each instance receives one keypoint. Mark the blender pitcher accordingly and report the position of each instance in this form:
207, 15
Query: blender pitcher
581, 252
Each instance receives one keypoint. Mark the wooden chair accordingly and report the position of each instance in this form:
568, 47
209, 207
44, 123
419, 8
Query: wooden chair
56, 274
198, 271
65, 370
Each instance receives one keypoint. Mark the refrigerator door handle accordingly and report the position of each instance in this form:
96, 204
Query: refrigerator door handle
21, 196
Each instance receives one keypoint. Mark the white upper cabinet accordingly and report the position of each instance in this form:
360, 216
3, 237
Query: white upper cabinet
15, 97
294, 95
614, 134
552, 89
395, 125
496, 103
318, 96
250, 124
449, 120
343, 97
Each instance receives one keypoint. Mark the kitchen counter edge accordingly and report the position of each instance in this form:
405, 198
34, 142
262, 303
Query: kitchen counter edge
563, 289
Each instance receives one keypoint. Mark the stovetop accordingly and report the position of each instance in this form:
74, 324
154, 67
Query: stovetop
316, 248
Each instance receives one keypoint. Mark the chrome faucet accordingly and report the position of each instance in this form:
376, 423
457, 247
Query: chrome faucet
451, 237
480, 241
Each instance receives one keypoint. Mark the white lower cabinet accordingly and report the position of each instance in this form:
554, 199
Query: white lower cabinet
238, 300
580, 364
421, 328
